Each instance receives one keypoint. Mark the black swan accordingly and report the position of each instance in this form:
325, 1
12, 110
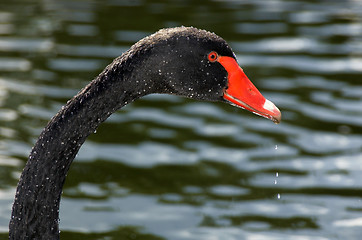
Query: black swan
184, 61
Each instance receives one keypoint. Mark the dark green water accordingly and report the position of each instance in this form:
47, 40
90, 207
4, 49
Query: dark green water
170, 168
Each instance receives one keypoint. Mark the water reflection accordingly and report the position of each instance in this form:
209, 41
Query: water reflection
171, 168
14, 64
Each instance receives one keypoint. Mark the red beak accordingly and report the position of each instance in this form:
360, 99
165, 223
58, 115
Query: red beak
242, 92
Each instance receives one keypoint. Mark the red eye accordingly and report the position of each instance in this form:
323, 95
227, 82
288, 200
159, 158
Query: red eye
212, 56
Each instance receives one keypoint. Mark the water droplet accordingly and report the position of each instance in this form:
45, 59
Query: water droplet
277, 174
276, 147
278, 196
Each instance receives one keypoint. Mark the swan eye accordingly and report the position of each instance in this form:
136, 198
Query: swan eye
212, 56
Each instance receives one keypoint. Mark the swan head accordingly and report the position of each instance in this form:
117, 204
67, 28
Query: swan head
198, 64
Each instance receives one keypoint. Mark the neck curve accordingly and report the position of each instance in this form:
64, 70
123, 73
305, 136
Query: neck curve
35, 213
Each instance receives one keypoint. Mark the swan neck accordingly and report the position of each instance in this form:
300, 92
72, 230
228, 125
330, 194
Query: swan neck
35, 213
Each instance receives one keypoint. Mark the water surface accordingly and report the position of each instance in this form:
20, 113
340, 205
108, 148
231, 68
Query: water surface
166, 167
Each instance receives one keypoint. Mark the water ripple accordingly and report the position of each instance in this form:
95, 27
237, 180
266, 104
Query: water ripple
11, 44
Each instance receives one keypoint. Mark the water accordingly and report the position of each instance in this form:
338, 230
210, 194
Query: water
170, 168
